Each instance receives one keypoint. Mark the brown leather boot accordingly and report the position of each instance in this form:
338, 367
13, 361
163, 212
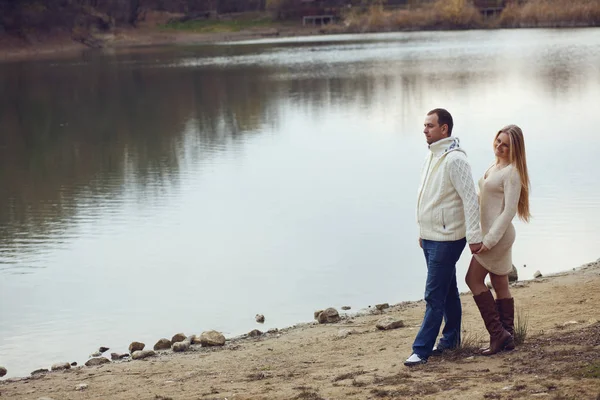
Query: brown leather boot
506, 311
498, 335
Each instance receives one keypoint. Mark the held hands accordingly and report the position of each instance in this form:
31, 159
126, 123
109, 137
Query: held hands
483, 249
476, 247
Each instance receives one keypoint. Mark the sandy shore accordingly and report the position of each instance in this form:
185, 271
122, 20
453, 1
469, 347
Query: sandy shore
352, 359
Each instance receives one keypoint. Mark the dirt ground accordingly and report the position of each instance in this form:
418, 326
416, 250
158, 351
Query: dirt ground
352, 359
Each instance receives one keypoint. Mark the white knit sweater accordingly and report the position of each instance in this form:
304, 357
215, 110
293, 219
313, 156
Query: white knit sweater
447, 206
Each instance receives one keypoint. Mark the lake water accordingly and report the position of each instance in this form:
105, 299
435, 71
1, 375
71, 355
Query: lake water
163, 190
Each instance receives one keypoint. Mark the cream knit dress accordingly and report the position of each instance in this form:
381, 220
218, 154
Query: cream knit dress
499, 192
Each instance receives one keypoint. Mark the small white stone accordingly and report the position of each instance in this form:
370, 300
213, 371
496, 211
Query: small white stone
81, 386
344, 333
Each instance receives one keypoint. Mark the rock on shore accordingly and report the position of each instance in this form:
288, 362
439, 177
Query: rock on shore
118, 356
178, 337
93, 362
388, 323
136, 346
60, 366
328, 316
181, 346
212, 338
141, 354
163, 344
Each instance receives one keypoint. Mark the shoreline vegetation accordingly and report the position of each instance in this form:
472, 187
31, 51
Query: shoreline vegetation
164, 28
354, 357
462, 14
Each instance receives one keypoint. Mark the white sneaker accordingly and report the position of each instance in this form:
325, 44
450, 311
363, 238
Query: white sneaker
414, 359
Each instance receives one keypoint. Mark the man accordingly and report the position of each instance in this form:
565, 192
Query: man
447, 211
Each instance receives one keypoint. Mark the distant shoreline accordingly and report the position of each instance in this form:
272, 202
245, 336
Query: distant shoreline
16, 49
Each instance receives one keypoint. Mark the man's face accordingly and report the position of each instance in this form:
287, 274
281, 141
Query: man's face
433, 131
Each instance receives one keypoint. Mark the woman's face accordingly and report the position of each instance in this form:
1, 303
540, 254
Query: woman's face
502, 147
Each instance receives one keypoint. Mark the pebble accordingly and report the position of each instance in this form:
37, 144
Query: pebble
388, 323
136, 346
344, 333
60, 366
81, 386
181, 346
92, 362
212, 338
138, 355
117, 356
40, 371
255, 333
178, 337
329, 316
163, 344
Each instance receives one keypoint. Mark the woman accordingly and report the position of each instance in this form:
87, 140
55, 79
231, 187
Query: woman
503, 192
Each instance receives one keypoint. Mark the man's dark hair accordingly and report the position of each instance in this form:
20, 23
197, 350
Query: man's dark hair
444, 117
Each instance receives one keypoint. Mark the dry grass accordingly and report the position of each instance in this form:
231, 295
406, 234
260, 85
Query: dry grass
461, 14
521, 326
349, 375
470, 345
443, 14
551, 13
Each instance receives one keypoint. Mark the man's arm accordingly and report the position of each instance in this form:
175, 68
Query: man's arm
462, 180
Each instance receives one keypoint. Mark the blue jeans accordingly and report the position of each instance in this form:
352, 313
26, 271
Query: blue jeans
441, 296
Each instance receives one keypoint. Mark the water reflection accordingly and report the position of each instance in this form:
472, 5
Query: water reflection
82, 135
87, 131
78, 134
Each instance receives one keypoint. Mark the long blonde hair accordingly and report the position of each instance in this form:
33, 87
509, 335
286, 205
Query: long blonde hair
519, 160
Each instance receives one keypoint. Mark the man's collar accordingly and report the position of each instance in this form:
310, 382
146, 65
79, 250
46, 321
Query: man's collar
444, 145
